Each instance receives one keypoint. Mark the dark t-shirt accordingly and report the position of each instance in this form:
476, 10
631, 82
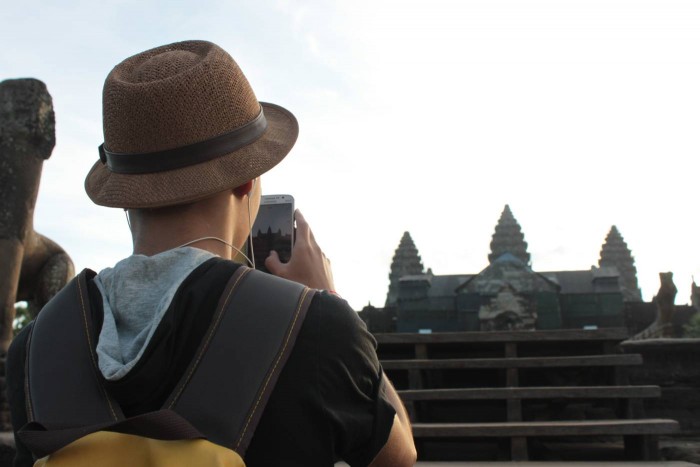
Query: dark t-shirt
328, 403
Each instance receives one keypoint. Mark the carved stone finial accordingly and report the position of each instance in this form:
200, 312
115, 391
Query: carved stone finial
615, 253
508, 238
406, 262
665, 309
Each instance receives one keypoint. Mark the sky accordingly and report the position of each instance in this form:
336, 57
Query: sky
419, 116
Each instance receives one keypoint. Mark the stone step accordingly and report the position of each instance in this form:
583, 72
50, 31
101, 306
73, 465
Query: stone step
552, 428
526, 362
558, 463
570, 392
563, 335
552, 464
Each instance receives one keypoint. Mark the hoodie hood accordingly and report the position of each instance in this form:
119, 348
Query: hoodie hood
136, 293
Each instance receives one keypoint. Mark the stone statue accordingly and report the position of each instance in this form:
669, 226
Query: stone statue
32, 267
665, 309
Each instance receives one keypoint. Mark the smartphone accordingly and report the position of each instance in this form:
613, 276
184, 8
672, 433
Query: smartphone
273, 229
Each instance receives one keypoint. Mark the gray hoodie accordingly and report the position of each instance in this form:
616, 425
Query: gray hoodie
136, 292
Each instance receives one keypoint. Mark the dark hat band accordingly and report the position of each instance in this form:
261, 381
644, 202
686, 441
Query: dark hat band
184, 156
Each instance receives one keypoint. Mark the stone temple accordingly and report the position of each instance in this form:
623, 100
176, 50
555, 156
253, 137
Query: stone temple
507, 294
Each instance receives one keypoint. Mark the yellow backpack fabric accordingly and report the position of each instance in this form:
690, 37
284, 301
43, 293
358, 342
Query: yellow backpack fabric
110, 449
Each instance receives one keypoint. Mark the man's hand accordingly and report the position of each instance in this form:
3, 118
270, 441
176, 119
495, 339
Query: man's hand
308, 265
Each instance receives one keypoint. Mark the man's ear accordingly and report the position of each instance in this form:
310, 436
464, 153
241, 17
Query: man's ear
243, 190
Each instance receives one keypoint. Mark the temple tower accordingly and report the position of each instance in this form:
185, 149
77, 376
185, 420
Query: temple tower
616, 253
508, 238
406, 262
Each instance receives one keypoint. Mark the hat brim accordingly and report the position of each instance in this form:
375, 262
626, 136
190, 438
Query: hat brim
197, 181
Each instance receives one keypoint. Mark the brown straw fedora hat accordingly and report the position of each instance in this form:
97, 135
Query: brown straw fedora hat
182, 123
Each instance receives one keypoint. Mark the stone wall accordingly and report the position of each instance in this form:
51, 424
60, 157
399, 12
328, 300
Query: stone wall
673, 364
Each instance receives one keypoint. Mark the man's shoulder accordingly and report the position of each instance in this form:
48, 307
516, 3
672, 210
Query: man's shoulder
335, 312
341, 334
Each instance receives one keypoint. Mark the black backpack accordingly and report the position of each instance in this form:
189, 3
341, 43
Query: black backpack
213, 410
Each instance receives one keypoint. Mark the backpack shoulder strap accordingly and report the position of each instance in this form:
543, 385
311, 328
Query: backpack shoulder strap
62, 386
226, 387
221, 396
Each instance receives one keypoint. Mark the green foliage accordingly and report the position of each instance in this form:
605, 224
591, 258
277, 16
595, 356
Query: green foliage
692, 329
21, 317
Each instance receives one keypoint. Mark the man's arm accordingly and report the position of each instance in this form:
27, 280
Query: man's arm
399, 450
309, 266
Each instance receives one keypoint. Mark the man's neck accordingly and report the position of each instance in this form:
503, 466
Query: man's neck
155, 231
210, 243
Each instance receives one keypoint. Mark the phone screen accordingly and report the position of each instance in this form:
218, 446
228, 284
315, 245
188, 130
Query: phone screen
273, 229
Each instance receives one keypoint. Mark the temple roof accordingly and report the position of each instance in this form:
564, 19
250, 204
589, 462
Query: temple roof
580, 282
440, 286
446, 285
615, 253
508, 238
406, 262
508, 269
